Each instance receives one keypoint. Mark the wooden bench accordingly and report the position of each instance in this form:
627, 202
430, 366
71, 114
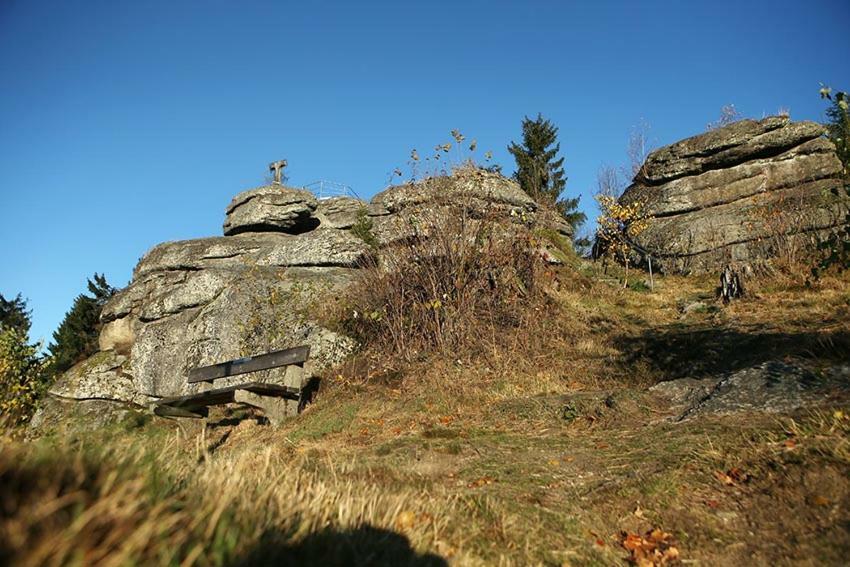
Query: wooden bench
277, 401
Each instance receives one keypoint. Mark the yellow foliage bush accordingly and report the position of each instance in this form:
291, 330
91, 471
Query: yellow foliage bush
21, 377
619, 224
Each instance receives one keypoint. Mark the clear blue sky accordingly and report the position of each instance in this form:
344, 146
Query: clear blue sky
125, 124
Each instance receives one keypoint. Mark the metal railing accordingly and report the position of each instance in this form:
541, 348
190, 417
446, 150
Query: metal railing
326, 189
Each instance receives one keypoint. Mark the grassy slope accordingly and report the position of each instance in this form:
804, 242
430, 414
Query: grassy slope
539, 453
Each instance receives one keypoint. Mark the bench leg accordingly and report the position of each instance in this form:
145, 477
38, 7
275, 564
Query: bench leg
276, 409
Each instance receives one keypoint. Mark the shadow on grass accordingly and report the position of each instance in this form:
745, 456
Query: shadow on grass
682, 351
365, 545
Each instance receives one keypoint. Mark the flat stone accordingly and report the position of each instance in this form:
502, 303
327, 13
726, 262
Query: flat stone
773, 387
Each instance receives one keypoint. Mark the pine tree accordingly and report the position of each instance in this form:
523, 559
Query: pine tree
836, 246
76, 337
838, 127
14, 313
540, 172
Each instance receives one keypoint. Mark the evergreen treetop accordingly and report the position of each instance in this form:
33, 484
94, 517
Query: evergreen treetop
14, 313
76, 337
540, 172
838, 126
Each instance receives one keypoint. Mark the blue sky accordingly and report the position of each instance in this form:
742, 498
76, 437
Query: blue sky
126, 124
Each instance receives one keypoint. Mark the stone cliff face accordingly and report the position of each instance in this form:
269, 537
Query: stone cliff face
199, 302
728, 195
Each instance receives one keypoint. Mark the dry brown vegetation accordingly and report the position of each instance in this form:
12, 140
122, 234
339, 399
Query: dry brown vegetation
522, 440
458, 280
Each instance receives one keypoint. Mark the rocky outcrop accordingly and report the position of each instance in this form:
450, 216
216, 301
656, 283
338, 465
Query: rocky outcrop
772, 387
199, 302
480, 193
730, 195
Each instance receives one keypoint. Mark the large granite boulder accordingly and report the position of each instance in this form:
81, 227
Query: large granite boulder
728, 196
271, 208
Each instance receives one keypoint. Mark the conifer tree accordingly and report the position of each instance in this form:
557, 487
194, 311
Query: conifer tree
836, 246
838, 126
14, 313
76, 337
540, 172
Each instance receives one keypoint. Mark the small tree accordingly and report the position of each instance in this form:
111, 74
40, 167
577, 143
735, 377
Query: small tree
76, 337
21, 368
540, 172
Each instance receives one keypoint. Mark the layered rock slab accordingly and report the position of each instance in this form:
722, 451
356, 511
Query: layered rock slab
271, 208
729, 194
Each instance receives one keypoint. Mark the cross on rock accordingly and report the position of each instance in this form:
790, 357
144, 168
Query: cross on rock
277, 167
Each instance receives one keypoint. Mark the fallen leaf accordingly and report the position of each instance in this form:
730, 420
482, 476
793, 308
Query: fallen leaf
405, 520
724, 478
479, 482
655, 548
738, 475
820, 501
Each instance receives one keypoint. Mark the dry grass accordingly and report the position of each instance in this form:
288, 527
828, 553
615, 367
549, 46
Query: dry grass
538, 452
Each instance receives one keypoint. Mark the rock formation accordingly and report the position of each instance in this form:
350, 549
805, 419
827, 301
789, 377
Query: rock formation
736, 194
773, 386
256, 289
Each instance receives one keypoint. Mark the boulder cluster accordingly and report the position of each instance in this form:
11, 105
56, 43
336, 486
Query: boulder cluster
737, 194
259, 287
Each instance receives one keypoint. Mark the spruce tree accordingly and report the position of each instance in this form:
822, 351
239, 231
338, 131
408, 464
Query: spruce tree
76, 337
14, 314
838, 127
836, 246
540, 172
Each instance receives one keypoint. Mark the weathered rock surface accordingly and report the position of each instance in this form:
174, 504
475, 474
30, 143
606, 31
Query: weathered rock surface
480, 193
773, 386
728, 195
101, 376
476, 188
340, 212
198, 302
271, 208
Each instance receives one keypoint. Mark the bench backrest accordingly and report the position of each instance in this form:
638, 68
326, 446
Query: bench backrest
290, 356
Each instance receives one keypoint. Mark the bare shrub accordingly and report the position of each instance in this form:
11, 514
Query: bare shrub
785, 249
456, 280
728, 115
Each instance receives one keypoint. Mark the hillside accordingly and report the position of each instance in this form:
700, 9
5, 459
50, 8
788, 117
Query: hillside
547, 452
